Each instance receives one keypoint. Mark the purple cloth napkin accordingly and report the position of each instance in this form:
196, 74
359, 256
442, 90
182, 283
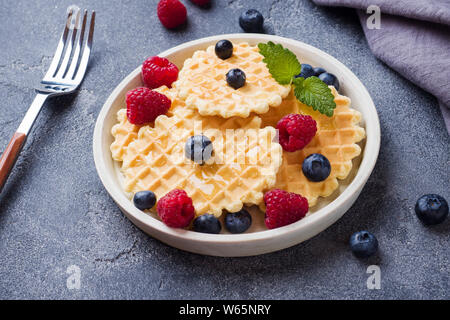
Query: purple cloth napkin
413, 39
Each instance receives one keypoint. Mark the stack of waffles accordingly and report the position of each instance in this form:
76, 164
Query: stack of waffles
247, 159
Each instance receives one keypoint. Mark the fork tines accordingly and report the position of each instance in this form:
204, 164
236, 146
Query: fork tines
72, 54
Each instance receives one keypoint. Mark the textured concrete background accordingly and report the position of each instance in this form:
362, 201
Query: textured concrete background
54, 211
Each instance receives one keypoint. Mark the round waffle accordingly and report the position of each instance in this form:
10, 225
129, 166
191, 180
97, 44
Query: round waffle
336, 139
245, 160
202, 83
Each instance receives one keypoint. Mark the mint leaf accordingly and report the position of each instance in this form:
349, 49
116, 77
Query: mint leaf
315, 93
282, 63
284, 66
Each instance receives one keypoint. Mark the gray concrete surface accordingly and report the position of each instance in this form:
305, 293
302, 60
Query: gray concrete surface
54, 211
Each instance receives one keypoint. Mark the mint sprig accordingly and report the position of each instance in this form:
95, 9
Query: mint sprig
284, 66
315, 93
282, 63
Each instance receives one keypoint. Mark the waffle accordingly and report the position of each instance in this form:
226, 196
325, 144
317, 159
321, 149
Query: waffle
202, 83
153, 158
336, 139
124, 132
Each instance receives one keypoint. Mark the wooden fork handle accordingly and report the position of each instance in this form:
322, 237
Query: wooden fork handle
14, 147
10, 155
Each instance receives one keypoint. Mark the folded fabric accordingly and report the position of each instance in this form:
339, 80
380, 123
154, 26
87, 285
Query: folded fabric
413, 39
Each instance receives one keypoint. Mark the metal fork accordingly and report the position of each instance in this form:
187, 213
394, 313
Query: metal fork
64, 75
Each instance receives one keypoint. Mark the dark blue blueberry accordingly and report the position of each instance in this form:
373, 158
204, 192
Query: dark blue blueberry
198, 148
330, 79
207, 223
224, 49
144, 200
431, 209
318, 71
316, 167
238, 222
306, 71
236, 78
363, 244
251, 21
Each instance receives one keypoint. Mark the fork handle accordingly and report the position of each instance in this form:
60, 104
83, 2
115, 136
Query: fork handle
9, 156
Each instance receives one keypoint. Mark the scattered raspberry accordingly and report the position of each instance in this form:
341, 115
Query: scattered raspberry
201, 2
283, 208
176, 209
157, 72
296, 131
144, 105
171, 13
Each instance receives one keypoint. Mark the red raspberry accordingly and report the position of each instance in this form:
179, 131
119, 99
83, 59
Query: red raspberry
201, 2
171, 13
283, 208
296, 131
157, 71
144, 105
176, 209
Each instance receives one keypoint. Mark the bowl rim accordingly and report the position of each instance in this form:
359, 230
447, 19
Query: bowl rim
369, 155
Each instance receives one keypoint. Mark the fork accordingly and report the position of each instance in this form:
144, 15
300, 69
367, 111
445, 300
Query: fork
64, 75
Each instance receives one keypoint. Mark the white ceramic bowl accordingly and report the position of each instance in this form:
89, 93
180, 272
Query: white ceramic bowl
258, 239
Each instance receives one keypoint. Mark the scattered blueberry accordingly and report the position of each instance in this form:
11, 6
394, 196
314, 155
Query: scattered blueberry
330, 79
316, 167
238, 222
207, 223
144, 200
198, 148
251, 21
431, 209
363, 244
306, 71
318, 71
236, 78
224, 49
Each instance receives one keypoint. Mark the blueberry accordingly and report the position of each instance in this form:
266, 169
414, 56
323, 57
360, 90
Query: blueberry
207, 223
363, 244
330, 79
316, 167
306, 71
224, 49
236, 78
238, 222
144, 200
318, 71
431, 209
198, 148
251, 21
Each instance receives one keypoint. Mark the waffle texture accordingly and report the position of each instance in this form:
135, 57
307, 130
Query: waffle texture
125, 132
336, 139
244, 164
202, 83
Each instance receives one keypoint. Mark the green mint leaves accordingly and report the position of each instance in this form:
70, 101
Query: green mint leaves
282, 63
315, 93
284, 66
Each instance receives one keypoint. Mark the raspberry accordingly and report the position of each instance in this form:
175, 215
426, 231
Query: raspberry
157, 71
144, 105
171, 13
283, 208
176, 209
201, 2
296, 131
